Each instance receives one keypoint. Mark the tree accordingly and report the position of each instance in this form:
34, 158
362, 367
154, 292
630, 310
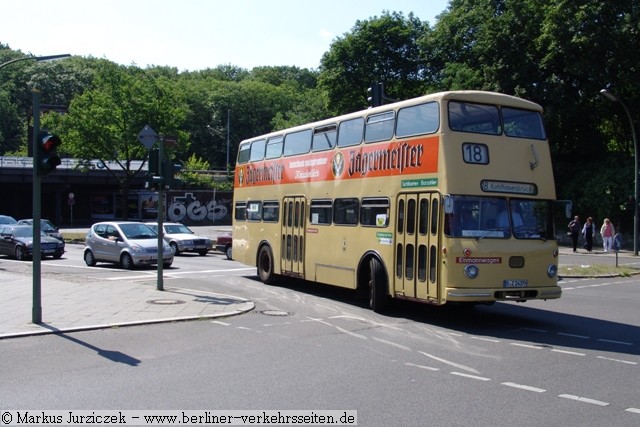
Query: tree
381, 49
103, 123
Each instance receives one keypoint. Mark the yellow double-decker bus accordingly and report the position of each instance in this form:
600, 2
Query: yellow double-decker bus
443, 198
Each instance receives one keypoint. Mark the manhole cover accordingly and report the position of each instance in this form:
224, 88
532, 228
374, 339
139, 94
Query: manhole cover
276, 313
165, 301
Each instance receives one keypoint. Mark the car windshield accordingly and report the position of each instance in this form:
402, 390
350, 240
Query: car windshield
177, 229
25, 232
137, 231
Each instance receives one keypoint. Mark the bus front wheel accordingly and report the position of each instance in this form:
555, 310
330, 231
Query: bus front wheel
265, 265
378, 298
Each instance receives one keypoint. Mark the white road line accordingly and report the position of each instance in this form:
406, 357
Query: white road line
524, 387
221, 323
244, 328
396, 345
534, 330
583, 399
535, 347
634, 410
448, 362
474, 377
615, 342
574, 353
428, 368
485, 339
573, 335
618, 360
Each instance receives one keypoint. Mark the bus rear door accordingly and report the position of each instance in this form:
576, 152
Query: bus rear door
292, 245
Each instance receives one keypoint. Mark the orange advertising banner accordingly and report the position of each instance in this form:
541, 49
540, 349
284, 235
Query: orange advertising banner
398, 158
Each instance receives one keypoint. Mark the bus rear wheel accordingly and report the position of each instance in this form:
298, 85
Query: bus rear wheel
378, 297
265, 265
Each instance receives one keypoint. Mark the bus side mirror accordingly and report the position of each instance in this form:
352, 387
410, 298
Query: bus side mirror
448, 204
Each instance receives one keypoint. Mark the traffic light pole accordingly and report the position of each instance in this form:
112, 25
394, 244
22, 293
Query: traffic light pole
160, 282
36, 311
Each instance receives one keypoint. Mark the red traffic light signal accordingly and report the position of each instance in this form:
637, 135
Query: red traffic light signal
48, 155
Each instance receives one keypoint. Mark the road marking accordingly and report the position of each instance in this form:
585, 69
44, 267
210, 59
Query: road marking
428, 368
485, 339
524, 387
534, 330
535, 347
457, 365
474, 377
634, 410
628, 362
221, 323
569, 352
573, 335
396, 345
615, 342
583, 399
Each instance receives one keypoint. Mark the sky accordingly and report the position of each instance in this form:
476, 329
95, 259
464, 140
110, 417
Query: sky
194, 34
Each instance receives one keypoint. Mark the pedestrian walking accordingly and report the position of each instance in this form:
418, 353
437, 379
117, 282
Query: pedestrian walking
588, 231
574, 231
607, 231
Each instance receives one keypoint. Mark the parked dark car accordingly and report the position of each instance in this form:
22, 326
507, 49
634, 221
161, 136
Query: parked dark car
224, 244
17, 241
6, 219
127, 243
46, 226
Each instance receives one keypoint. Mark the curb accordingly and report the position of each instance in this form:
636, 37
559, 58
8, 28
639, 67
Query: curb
54, 331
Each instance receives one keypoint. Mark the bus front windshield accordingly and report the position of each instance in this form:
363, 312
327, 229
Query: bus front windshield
499, 218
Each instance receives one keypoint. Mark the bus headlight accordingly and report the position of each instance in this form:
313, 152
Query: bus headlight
552, 270
471, 271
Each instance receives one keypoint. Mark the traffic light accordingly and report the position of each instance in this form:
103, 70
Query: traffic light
48, 155
376, 94
154, 163
169, 170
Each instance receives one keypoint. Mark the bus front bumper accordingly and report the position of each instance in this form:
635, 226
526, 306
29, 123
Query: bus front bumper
501, 294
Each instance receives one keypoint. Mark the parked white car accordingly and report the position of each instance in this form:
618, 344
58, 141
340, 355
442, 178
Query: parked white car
182, 239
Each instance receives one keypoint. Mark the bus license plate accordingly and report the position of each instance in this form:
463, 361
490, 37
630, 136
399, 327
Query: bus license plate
515, 283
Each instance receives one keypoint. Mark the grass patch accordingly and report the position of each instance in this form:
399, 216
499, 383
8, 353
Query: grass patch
595, 270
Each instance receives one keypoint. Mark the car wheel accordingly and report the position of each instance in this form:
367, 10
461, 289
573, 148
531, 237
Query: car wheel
203, 252
57, 256
228, 252
89, 259
174, 246
167, 264
126, 262
20, 253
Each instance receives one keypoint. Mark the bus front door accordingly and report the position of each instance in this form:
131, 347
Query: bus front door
292, 245
416, 246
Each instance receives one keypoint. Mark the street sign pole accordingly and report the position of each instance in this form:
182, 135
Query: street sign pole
148, 137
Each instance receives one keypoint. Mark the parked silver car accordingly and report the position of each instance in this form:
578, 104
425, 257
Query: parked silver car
182, 239
127, 243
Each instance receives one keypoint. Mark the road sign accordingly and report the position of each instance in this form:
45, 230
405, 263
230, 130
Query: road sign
148, 137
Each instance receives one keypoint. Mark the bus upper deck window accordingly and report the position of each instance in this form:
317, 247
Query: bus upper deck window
243, 153
324, 138
418, 120
379, 127
297, 142
274, 147
350, 132
523, 123
475, 118
257, 150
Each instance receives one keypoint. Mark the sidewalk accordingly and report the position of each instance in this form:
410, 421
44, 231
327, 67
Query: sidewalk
70, 307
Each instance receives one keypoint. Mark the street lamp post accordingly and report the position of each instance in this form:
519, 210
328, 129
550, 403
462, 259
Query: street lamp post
36, 58
613, 98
